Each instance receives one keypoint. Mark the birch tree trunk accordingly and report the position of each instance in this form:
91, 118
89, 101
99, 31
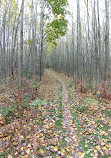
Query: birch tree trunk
42, 39
106, 40
21, 47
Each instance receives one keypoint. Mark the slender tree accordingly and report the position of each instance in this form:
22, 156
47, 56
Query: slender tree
21, 46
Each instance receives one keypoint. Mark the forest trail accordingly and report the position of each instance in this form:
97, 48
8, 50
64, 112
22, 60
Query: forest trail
82, 114
74, 149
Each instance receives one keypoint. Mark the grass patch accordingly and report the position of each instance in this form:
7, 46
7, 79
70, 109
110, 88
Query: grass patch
58, 125
3, 155
107, 113
90, 100
62, 143
38, 102
105, 128
105, 156
81, 108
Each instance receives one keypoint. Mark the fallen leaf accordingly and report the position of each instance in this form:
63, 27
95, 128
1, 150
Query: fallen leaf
104, 148
73, 151
22, 148
79, 153
98, 147
28, 151
41, 151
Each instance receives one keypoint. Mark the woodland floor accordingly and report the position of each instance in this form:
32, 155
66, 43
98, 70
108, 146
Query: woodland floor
63, 123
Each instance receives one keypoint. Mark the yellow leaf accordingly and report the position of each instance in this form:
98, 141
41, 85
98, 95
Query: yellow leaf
55, 148
105, 140
42, 139
104, 148
73, 151
108, 145
67, 149
28, 151
102, 132
72, 147
1, 122
29, 136
98, 147
22, 148
1, 151
47, 126
41, 151
79, 153
8, 137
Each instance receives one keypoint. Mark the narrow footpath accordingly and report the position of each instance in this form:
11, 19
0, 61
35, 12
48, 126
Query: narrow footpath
72, 141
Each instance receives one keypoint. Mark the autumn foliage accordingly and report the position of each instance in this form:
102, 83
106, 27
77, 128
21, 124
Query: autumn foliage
105, 89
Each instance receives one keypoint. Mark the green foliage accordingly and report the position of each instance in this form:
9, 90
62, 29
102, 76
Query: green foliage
55, 29
3, 81
58, 26
58, 125
105, 156
9, 110
24, 73
90, 100
25, 102
38, 102
107, 113
62, 142
23, 141
3, 155
81, 108
57, 6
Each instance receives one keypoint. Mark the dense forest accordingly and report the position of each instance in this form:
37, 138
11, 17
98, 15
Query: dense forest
26, 32
55, 78
31, 39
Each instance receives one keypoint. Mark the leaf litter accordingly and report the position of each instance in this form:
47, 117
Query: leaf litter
62, 123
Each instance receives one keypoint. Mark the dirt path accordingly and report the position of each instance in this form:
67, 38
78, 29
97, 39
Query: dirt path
72, 141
